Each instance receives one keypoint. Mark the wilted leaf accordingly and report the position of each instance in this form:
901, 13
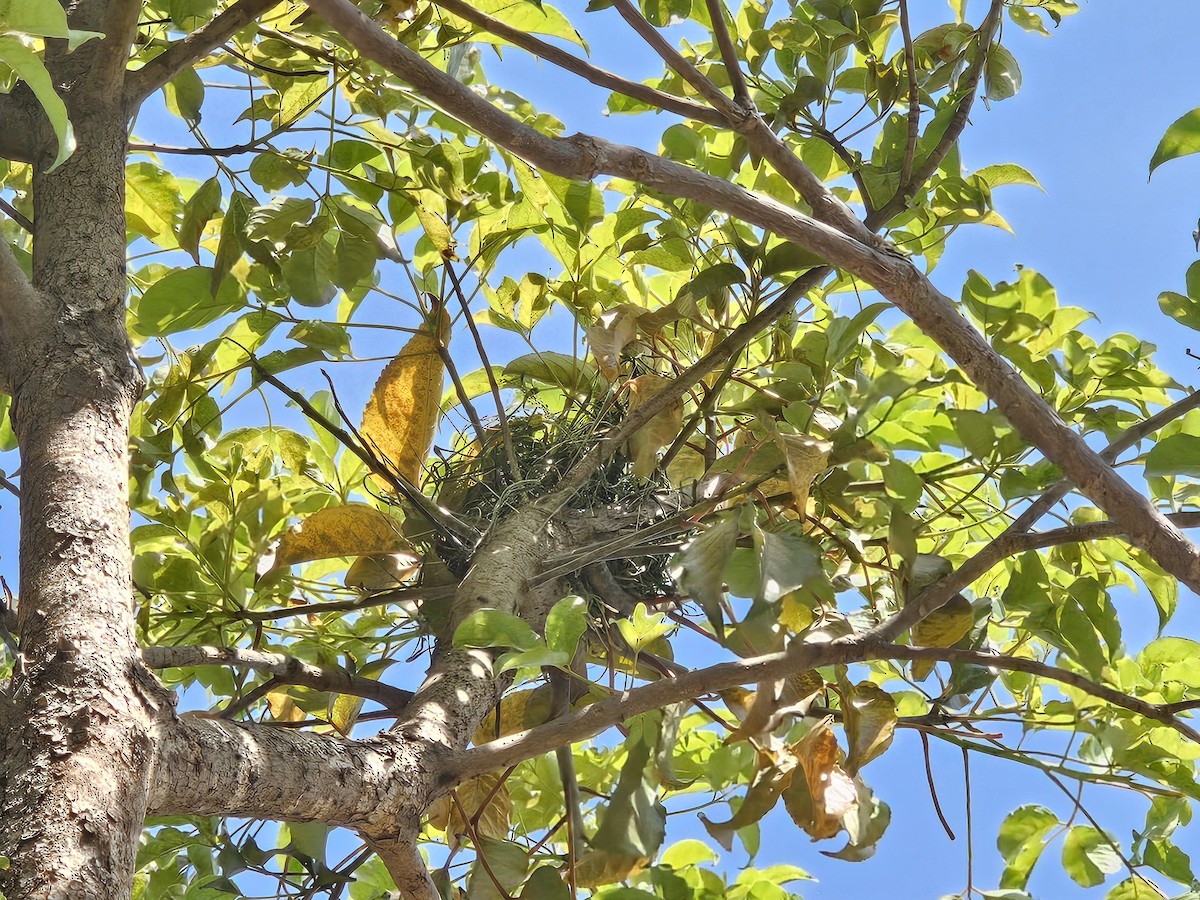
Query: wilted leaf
343, 713
699, 568
283, 708
353, 529
597, 868
660, 431
870, 720
519, 711
483, 799
764, 792
402, 413
944, 627
385, 572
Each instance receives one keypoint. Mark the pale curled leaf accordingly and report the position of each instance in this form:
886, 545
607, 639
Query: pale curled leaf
660, 431
806, 458
382, 572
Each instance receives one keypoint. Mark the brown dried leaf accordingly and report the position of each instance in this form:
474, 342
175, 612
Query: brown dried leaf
353, 529
401, 416
660, 431
818, 801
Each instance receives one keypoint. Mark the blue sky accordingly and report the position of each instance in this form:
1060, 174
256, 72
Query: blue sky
1096, 98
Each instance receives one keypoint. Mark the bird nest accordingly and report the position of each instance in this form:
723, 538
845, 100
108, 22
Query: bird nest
476, 482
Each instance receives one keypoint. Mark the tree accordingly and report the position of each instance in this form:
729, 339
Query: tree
840, 508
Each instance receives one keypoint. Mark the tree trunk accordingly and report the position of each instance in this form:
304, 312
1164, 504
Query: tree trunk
76, 747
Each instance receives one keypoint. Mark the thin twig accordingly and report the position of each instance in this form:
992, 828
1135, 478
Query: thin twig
729, 54
914, 96
444, 519
186, 51
585, 70
16, 215
514, 467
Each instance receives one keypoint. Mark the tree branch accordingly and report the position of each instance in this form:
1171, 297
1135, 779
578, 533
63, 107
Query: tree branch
987, 32
285, 669
216, 767
1009, 542
187, 51
585, 70
585, 157
402, 858
593, 720
729, 54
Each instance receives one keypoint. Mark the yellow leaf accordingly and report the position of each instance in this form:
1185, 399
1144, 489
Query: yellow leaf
870, 718
519, 711
660, 431
484, 799
353, 529
402, 413
944, 627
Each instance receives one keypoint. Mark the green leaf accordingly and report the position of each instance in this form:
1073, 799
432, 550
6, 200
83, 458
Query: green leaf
198, 211
1135, 888
566, 624
181, 301
1001, 74
1184, 310
545, 884
487, 628
1088, 856
1021, 842
1176, 454
1181, 139
633, 823
152, 203
787, 560
507, 863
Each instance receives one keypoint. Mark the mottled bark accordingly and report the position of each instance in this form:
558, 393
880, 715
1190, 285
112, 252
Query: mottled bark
76, 748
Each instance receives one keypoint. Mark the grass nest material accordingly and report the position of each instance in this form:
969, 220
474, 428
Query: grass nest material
475, 482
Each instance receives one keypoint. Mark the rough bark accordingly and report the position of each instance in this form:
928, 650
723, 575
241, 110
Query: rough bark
76, 747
